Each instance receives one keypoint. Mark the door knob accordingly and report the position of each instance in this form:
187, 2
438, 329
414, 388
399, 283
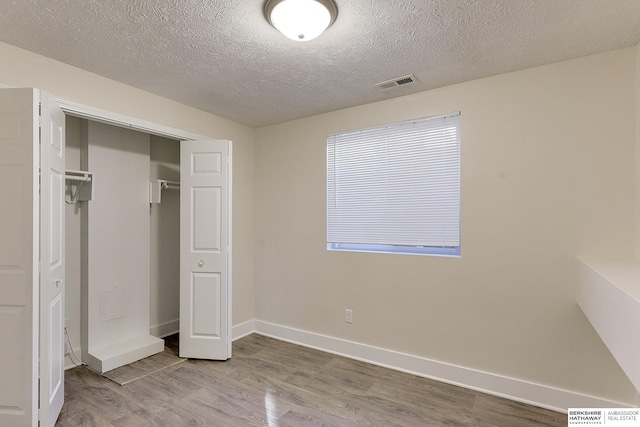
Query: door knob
58, 283
200, 263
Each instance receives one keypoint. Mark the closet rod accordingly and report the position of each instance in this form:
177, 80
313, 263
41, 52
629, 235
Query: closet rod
169, 185
85, 178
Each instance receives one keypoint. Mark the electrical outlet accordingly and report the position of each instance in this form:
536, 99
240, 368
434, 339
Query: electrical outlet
348, 315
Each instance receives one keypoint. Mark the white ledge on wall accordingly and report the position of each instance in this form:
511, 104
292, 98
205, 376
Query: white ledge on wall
609, 296
122, 353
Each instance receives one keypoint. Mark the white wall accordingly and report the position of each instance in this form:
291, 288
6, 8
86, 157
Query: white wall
20, 68
165, 240
547, 175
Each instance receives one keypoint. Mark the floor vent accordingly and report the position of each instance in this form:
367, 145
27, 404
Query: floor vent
400, 81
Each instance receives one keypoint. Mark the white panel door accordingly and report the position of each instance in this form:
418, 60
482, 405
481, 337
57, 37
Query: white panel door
205, 236
19, 253
52, 249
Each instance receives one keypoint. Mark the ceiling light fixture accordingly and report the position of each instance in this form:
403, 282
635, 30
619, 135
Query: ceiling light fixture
301, 20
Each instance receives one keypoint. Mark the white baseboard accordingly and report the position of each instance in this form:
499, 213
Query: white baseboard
165, 329
540, 395
243, 329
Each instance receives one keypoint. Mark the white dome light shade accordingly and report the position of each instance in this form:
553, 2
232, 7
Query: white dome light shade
300, 20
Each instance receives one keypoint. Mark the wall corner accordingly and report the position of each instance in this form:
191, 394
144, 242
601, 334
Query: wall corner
637, 166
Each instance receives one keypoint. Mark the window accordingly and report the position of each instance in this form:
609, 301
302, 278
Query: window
396, 188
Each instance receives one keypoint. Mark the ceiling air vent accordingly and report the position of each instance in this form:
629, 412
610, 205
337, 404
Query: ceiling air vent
400, 81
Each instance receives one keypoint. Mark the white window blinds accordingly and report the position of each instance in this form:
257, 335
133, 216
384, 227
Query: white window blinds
396, 186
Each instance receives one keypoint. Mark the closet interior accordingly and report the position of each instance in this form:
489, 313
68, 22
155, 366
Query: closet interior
122, 243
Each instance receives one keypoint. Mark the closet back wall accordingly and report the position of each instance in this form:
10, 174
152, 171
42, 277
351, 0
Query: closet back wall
164, 237
118, 235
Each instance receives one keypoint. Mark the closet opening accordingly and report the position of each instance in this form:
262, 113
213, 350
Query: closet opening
122, 250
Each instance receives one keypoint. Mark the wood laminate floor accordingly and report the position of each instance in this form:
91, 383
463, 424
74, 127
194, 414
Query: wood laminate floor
272, 383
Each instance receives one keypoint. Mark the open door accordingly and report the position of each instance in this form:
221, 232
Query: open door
52, 269
25, 330
205, 251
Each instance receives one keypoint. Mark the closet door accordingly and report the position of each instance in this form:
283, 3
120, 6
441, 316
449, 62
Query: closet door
19, 217
31, 312
205, 236
52, 249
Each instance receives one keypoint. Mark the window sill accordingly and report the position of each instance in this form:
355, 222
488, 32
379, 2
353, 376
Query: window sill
396, 250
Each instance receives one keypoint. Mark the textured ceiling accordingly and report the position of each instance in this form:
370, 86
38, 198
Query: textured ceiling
223, 57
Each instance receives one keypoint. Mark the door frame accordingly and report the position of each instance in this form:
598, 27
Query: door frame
121, 120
